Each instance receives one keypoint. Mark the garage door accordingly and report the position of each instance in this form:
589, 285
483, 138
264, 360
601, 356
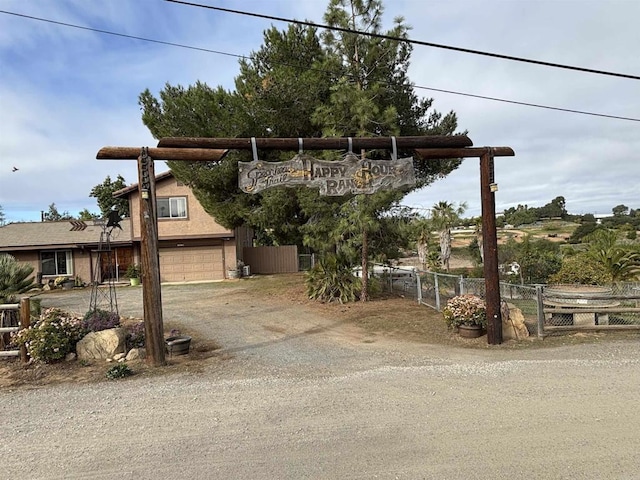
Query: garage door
189, 264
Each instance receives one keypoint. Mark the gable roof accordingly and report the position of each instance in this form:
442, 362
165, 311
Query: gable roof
41, 235
123, 192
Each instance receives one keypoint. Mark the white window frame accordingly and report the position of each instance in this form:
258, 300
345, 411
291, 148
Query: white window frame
174, 205
68, 262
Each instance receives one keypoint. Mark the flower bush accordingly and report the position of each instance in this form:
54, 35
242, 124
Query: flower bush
52, 336
97, 320
135, 335
465, 310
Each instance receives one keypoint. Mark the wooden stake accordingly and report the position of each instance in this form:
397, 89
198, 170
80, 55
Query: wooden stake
25, 321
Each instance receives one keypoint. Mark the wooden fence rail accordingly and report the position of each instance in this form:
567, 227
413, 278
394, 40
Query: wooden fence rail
24, 312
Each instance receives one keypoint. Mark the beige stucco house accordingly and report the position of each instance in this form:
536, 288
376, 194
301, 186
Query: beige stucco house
192, 246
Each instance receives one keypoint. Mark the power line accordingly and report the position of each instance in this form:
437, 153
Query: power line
123, 35
407, 40
218, 52
515, 102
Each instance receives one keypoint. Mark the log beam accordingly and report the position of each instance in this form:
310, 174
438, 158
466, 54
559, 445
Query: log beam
426, 153
188, 154
330, 143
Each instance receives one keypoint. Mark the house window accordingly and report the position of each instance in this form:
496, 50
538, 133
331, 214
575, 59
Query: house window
172, 207
56, 263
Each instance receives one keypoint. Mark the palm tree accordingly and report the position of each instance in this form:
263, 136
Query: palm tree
621, 263
445, 215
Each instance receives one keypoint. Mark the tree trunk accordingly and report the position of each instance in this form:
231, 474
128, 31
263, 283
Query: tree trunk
364, 295
445, 247
422, 253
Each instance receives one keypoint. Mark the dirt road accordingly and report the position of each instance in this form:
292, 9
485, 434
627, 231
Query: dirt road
303, 396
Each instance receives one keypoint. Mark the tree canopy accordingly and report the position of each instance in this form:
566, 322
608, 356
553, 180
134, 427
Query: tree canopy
103, 194
304, 84
53, 215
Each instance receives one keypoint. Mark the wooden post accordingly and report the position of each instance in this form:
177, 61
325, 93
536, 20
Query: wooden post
151, 296
25, 321
490, 248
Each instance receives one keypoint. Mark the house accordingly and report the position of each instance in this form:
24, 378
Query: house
192, 246
68, 249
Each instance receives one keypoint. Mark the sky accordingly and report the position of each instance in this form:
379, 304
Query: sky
67, 92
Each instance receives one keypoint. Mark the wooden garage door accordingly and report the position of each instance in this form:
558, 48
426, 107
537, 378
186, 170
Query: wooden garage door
189, 264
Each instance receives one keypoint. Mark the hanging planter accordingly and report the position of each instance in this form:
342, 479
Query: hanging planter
178, 344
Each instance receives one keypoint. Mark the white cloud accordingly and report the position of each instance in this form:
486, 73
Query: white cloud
65, 92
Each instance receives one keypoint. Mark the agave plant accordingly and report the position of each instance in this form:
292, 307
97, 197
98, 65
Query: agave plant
332, 280
14, 278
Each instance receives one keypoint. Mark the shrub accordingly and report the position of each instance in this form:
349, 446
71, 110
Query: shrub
120, 370
97, 320
135, 335
332, 280
133, 271
52, 336
465, 310
581, 268
14, 278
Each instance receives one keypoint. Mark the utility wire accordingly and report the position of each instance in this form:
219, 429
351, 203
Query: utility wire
244, 57
123, 35
407, 40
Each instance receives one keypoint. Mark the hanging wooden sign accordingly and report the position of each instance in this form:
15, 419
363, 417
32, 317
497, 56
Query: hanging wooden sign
332, 178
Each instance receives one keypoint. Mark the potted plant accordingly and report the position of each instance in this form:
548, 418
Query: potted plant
466, 313
133, 274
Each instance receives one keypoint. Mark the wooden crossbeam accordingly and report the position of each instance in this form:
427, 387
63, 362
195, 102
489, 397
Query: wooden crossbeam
329, 143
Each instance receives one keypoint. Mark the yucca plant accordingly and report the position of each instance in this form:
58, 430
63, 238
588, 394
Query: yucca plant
332, 280
14, 278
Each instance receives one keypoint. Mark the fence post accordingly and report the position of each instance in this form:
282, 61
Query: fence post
461, 282
25, 320
540, 305
419, 288
436, 290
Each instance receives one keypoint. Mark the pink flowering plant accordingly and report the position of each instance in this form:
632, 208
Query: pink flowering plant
52, 336
465, 310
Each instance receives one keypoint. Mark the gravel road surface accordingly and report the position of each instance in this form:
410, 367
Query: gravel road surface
305, 397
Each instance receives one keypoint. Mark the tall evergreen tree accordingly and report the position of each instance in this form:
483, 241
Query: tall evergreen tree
301, 84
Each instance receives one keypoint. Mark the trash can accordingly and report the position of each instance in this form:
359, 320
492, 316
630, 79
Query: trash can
246, 271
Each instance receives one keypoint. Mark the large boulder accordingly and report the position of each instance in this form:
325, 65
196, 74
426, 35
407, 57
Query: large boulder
101, 345
513, 326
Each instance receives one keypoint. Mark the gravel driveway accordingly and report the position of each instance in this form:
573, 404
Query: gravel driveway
303, 396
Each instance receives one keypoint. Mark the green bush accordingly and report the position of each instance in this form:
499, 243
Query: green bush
332, 280
52, 336
120, 370
581, 268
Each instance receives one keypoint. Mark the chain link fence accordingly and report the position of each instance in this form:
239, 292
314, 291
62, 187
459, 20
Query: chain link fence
546, 309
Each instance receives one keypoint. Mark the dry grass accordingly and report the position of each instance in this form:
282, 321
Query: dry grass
384, 317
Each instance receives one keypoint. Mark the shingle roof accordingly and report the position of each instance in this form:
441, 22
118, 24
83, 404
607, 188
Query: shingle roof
134, 186
33, 235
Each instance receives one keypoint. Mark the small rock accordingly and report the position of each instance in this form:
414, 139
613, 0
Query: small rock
70, 357
134, 354
119, 356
